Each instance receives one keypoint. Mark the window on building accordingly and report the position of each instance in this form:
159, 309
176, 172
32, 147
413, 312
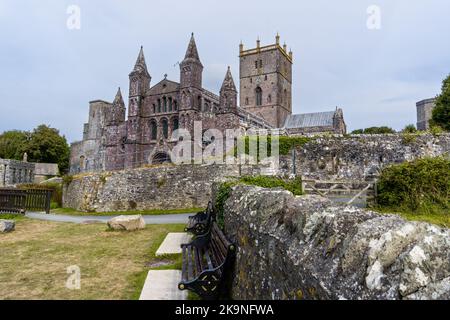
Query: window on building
246, 101
165, 104
269, 98
251, 80
256, 64
159, 105
206, 108
170, 103
175, 124
154, 108
260, 63
258, 96
265, 77
199, 102
175, 105
165, 128
153, 130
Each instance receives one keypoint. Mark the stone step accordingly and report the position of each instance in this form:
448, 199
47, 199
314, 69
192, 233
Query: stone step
172, 243
163, 285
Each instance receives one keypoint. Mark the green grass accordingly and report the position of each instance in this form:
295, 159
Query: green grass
73, 212
114, 264
440, 218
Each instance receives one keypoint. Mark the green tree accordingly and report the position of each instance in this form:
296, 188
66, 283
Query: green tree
410, 128
441, 113
47, 145
374, 130
13, 144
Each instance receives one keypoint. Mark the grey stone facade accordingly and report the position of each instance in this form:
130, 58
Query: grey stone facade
295, 248
14, 172
425, 113
266, 81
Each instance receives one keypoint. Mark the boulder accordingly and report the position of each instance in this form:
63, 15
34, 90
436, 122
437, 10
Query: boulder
128, 223
7, 226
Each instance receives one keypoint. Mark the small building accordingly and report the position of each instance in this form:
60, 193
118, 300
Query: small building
425, 113
13, 172
317, 122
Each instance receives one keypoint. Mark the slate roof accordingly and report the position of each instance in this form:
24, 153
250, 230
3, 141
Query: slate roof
305, 120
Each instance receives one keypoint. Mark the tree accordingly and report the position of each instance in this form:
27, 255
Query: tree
13, 144
441, 113
410, 128
374, 130
47, 145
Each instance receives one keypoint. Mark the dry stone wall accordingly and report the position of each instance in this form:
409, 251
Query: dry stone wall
306, 248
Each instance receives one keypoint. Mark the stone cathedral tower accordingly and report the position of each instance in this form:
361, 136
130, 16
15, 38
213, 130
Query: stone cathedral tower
266, 81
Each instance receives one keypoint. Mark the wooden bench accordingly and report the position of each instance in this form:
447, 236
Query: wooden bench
205, 262
199, 224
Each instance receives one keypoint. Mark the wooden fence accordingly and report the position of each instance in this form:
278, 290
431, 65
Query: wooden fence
348, 192
19, 201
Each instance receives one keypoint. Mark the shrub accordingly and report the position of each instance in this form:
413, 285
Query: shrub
422, 185
286, 144
410, 128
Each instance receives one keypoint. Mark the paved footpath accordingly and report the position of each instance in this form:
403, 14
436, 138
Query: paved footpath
163, 285
149, 219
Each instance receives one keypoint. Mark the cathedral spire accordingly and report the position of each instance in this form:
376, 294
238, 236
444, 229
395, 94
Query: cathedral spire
140, 65
118, 100
192, 52
228, 82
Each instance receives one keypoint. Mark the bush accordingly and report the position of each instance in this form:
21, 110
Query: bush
422, 185
410, 128
286, 144
374, 130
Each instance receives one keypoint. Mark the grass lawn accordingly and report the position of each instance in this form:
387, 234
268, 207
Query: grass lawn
34, 260
440, 219
73, 212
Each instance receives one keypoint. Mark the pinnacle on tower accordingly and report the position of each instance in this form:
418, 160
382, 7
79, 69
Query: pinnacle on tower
228, 82
140, 65
191, 52
118, 100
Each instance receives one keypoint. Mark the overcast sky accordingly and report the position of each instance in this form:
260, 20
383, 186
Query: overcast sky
49, 73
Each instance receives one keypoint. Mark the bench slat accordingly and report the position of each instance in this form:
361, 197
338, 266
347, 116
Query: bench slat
208, 259
189, 263
184, 265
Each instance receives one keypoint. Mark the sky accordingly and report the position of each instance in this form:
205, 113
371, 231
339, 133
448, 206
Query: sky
375, 65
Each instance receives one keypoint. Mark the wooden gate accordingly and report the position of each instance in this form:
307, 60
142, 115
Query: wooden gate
344, 191
19, 201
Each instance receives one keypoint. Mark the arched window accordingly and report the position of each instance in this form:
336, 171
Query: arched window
165, 104
258, 96
159, 105
246, 101
206, 109
175, 124
153, 130
165, 128
154, 108
269, 98
170, 103
199, 102
175, 105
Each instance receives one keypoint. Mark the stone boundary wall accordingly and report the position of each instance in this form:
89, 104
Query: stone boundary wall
361, 157
157, 187
306, 248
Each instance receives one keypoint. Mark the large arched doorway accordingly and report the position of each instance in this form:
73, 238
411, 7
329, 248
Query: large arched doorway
161, 157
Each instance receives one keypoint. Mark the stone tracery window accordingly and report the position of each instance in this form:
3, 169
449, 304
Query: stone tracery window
258, 96
165, 128
153, 130
175, 124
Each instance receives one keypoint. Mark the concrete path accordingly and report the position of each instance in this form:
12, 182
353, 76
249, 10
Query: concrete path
155, 219
172, 243
163, 285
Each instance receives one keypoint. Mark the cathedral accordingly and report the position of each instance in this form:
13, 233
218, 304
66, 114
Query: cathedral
115, 140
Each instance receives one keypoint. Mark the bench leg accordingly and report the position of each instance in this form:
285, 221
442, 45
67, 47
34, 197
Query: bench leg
206, 286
